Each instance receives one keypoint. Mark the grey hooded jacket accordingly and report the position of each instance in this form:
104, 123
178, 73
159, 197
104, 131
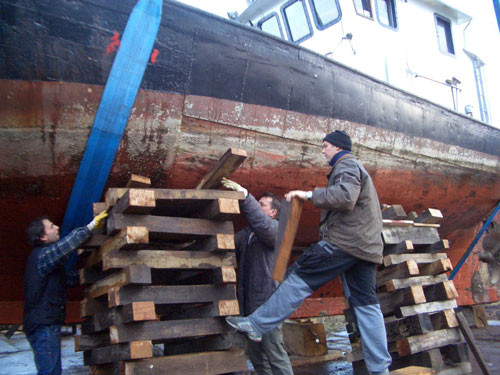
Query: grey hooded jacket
350, 217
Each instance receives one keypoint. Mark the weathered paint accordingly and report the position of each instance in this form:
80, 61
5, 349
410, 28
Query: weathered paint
214, 85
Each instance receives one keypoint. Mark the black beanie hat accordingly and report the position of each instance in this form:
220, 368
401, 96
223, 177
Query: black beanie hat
340, 139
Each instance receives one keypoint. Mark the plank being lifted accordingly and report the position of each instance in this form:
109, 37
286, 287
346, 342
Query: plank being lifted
224, 167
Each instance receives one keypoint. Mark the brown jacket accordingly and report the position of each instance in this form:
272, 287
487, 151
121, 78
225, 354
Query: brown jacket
350, 215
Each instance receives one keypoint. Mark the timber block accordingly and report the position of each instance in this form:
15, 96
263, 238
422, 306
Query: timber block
304, 338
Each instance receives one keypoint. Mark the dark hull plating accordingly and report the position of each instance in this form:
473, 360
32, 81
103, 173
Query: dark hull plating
214, 84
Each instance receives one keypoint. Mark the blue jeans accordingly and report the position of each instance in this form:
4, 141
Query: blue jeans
46, 344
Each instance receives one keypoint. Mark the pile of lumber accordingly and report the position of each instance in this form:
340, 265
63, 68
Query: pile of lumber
416, 297
159, 282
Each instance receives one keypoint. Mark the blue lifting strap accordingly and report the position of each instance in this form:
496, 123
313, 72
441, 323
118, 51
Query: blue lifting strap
112, 115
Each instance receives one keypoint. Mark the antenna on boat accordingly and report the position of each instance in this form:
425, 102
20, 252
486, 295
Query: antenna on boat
347, 37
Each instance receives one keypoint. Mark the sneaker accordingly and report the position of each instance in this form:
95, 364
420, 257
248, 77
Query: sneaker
243, 324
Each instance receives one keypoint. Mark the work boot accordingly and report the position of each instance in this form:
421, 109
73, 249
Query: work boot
244, 325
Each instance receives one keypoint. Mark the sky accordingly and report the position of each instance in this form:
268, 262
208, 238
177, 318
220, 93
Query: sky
219, 7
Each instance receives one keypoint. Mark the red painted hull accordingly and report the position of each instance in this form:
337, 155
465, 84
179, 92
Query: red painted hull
175, 139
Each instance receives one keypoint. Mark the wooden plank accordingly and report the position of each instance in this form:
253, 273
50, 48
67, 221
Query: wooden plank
133, 274
416, 257
394, 212
133, 312
224, 167
289, 220
98, 207
408, 326
119, 352
129, 238
405, 246
397, 223
206, 343
397, 271
219, 242
428, 341
469, 338
428, 307
112, 195
169, 259
412, 295
95, 241
444, 319
439, 246
138, 182
220, 209
219, 362
206, 310
417, 235
437, 267
165, 330
135, 201
90, 306
305, 338
429, 216
91, 275
442, 291
394, 284
224, 275
413, 370
170, 294
88, 342
170, 227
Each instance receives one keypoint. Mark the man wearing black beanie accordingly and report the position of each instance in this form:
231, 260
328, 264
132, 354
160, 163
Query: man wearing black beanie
350, 246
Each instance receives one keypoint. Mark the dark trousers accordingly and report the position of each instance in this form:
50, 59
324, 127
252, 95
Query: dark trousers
46, 344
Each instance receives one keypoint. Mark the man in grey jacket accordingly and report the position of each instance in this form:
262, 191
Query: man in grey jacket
350, 245
256, 257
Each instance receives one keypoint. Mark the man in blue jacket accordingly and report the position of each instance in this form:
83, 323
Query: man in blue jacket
45, 283
350, 245
256, 257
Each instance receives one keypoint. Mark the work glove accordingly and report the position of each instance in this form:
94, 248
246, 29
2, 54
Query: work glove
98, 221
228, 184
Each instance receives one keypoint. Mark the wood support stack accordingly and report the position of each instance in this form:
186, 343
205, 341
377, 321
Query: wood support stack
159, 283
416, 297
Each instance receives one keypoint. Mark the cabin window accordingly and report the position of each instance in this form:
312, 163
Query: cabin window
444, 38
271, 25
298, 25
325, 12
364, 8
386, 13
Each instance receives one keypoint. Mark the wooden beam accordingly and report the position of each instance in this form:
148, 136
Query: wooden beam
405, 246
98, 207
429, 216
224, 167
135, 201
206, 310
469, 338
397, 271
439, 246
412, 295
397, 223
119, 352
95, 241
442, 291
88, 342
165, 330
133, 312
444, 319
220, 209
133, 274
112, 195
409, 326
92, 275
429, 307
219, 242
167, 259
128, 238
428, 341
436, 267
394, 212
289, 220
416, 257
138, 182
394, 284
170, 227
219, 362
206, 343
91, 306
170, 294
417, 235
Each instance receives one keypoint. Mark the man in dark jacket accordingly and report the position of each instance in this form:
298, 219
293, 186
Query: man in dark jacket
45, 283
256, 257
350, 246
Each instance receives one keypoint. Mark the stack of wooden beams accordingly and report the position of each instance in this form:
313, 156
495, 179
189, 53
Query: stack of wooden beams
159, 283
416, 297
